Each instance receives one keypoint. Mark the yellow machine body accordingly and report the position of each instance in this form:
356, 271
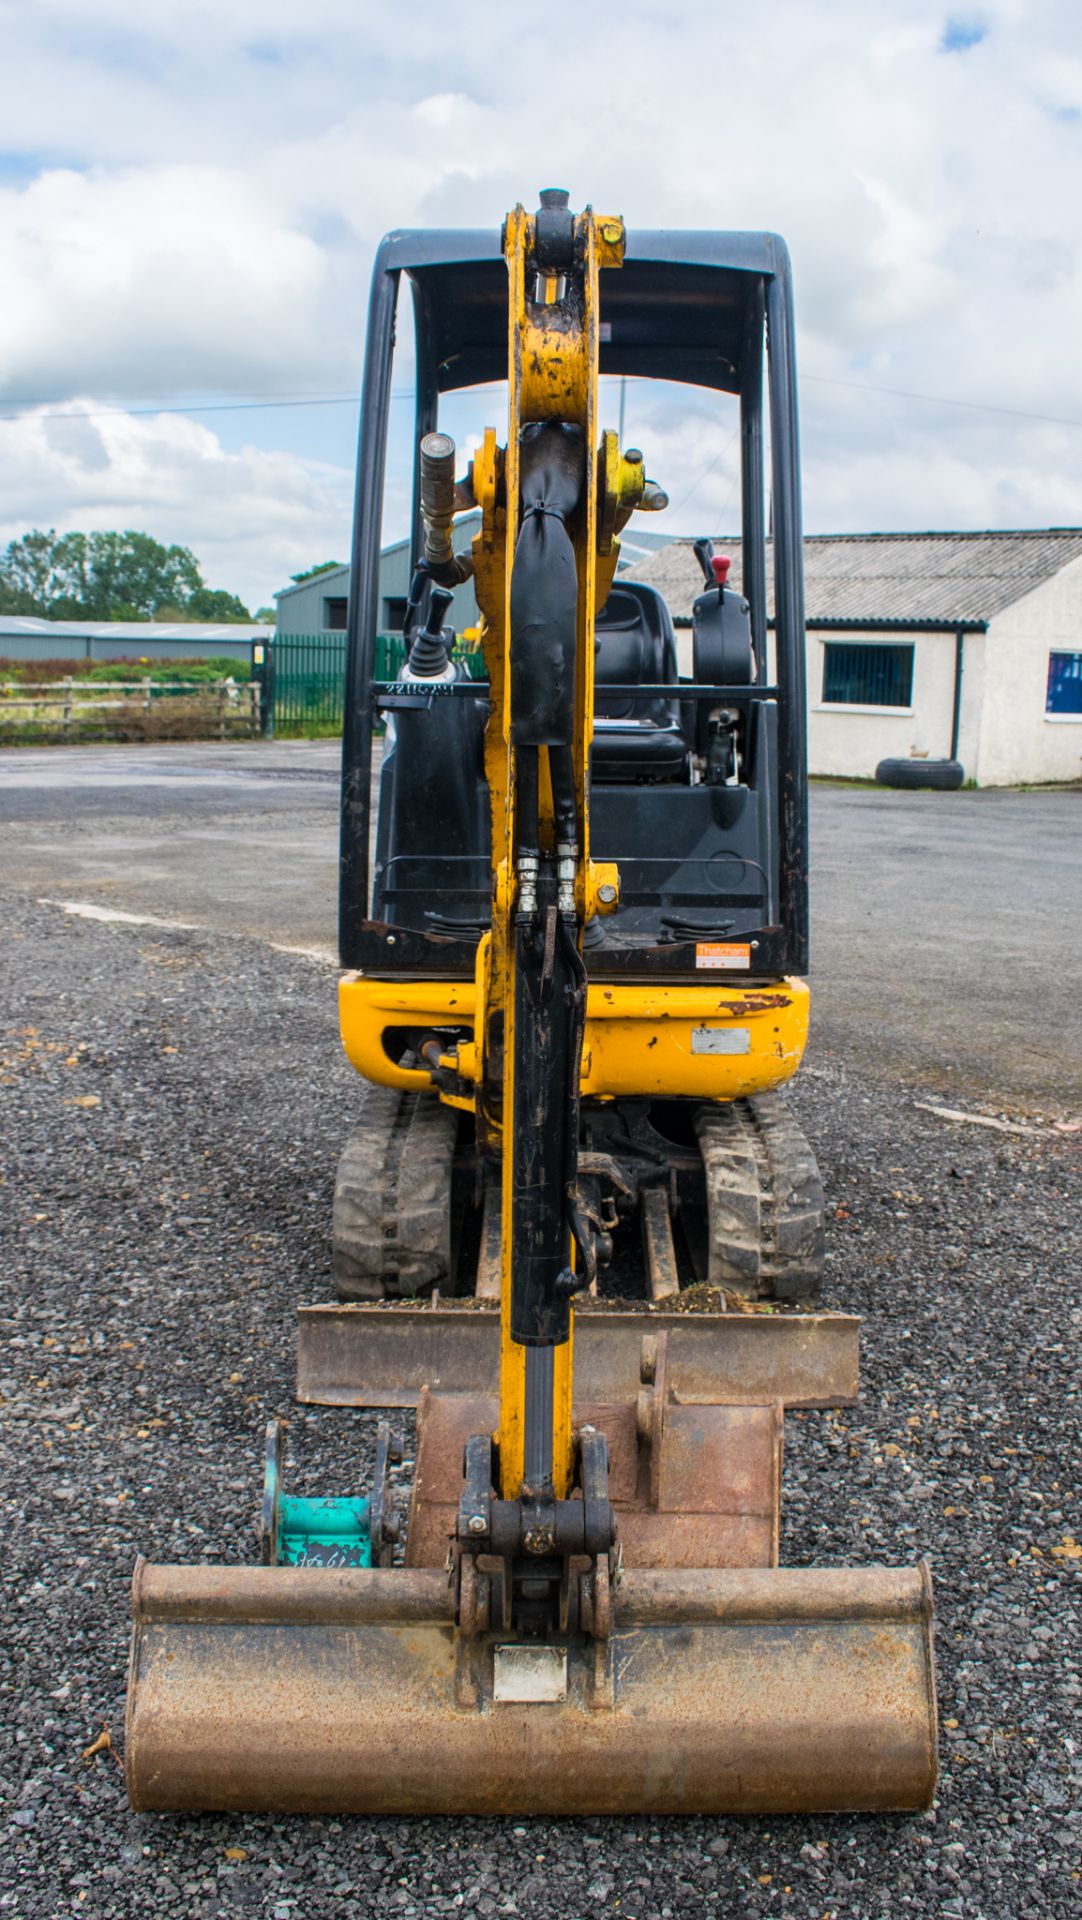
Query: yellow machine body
678, 1042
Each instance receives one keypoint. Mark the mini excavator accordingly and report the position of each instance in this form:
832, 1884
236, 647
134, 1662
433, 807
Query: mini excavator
576, 1227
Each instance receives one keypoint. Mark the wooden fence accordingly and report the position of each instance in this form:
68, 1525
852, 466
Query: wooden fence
147, 709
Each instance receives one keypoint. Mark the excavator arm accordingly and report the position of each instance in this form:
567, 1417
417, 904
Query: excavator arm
550, 499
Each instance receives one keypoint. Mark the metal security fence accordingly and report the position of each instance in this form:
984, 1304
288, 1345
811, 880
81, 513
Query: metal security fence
307, 676
308, 673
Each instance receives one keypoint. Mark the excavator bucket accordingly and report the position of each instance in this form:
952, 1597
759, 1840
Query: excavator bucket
723, 1683
298, 1690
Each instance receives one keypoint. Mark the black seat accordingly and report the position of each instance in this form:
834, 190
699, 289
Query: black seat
636, 646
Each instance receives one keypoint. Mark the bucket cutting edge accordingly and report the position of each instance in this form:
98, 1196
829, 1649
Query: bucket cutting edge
725, 1691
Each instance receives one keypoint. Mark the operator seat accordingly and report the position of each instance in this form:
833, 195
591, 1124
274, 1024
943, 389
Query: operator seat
637, 740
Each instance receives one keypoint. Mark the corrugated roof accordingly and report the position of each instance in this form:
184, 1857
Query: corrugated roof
948, 578
328, 574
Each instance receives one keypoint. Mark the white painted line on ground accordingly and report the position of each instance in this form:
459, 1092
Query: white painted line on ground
89, 910
85, 910
974, 1119
326, 956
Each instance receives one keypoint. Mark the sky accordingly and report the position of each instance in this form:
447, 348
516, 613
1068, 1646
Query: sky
191, 195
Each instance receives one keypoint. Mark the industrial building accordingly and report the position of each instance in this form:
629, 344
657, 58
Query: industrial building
962, 646
965, 646
318, 605
24, 637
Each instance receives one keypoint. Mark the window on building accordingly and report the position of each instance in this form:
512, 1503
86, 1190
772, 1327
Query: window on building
334, 613
1064, 684
856, 675
394, 612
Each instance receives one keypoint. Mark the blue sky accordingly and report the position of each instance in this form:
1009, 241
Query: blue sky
962, 32
191, 194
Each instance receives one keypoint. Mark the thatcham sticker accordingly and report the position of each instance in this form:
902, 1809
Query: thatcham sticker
723, 953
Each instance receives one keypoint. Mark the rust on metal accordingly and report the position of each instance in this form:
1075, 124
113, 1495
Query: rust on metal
733, 1691
754, 1003
752, 1594
659, 1253
693, 1486
361, 1356
324, 1595
490, 1256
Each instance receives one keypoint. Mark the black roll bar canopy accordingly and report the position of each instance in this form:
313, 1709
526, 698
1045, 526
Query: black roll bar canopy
686, 306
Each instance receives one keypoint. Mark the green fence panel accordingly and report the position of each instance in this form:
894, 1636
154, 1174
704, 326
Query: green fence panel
308, 673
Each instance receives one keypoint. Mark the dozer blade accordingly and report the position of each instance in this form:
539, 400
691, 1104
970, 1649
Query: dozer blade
365, 1356
296, 1690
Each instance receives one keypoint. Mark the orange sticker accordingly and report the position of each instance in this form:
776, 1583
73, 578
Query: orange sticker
722, 953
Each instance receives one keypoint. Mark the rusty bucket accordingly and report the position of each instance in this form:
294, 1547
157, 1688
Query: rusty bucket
734, 1690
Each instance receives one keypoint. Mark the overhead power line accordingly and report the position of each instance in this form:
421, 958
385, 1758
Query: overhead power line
940, 400
57, 410
53, 410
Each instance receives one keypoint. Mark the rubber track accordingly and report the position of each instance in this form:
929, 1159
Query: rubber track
764, 1199
392, 1197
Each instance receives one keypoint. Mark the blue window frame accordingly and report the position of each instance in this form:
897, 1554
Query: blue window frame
1064, 684
856, 675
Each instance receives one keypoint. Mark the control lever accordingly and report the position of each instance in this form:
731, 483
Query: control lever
430, 653
413, 603
715, 566
704, 554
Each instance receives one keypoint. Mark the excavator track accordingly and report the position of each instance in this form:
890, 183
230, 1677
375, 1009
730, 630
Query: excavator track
393, 1220
764, 1199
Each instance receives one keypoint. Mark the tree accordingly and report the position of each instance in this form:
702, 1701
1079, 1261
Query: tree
108, 576
210, 603
27, 573
325, 566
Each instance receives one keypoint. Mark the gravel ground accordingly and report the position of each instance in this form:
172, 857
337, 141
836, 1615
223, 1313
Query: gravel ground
175, 1104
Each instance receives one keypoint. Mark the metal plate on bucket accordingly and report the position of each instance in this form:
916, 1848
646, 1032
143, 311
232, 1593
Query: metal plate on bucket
381, 1356
526, 1675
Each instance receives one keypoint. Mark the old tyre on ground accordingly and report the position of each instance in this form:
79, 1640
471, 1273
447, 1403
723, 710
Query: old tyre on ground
764, 1199
942, 775
392, 1224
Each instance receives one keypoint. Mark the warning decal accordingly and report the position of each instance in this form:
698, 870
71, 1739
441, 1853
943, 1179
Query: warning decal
722, 953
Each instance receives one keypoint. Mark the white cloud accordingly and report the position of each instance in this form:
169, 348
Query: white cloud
162, 279
252, 517
204, 187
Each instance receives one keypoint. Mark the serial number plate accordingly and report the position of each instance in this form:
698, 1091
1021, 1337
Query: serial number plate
721, 1039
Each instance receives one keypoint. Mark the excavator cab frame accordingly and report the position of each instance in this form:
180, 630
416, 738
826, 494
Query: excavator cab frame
708, 310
